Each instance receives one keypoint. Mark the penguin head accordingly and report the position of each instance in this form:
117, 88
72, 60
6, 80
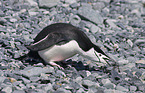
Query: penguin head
102, 58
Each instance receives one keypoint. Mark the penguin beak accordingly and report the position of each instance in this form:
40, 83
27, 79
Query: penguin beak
107, 59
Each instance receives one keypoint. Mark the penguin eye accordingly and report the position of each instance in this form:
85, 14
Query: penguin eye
100, 55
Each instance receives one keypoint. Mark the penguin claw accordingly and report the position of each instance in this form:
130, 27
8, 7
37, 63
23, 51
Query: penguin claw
54, 64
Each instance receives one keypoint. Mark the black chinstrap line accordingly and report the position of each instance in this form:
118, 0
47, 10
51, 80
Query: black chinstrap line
100, 60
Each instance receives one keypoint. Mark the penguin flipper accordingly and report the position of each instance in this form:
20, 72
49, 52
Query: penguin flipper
48, 41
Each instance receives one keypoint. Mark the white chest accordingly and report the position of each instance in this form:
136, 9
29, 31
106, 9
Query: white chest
60, 52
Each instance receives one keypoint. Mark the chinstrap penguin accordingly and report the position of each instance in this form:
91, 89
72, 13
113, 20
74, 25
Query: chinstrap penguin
60, 41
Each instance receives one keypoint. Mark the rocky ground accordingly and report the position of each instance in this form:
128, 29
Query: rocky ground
117, 26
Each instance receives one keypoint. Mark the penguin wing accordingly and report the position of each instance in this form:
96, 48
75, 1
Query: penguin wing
50, 40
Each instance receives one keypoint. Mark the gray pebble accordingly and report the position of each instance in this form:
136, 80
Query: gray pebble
13, 20
112, 91
70, 1
61, 90
60, 73
34, 79
94, 29
2, 79
7, 89
81, 90
27, 25
32, 2
121, 88
123, 62
18, 91
110, 86
90, 14
133, 88
35, 71
139, 41
98, 6
88, 83
48, 3
48, 87
75, 20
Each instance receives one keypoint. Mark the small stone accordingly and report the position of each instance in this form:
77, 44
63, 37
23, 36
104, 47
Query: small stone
81, 90
35, 71
48, 87
2, 22
61, 90
143, 77
112, 91
98, 6
78, 80
110, 85
25, 80
70, 1
133, 88
34, 79
139, 41
90, 14
88, 73
13, 20
75, 20
18, 91
140, 61
27, 25
111, 23
141, 87
121, 88
130, 42
94, 29
48, 3
32, 13
32, 3
12, 80
7, 90
60, 73
105, 81
88, 83
2, 79
123, 62
75, 85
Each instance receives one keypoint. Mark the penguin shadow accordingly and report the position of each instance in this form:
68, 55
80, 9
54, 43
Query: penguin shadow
112, 71
80, 66
69, 63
